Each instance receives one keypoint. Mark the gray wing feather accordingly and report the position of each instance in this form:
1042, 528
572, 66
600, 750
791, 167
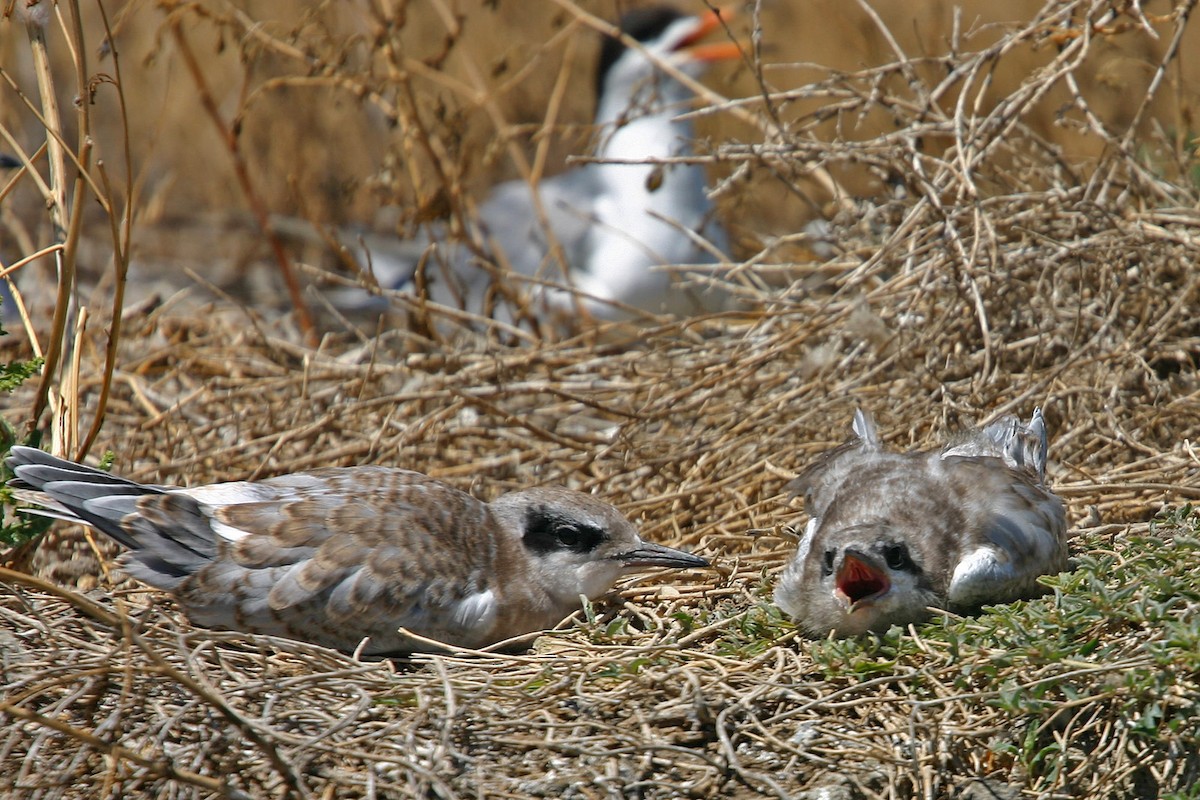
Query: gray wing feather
166, 533
864, 427
1021, 446
508, 225
1023, 535
65, 488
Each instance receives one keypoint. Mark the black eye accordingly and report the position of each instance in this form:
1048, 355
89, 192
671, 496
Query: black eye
568, 536
896, 556
827, 567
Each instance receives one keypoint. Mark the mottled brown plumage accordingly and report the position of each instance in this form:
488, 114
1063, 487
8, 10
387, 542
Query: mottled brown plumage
336, 556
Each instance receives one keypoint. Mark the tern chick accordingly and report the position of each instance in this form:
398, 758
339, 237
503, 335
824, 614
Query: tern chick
341, 555
891, 534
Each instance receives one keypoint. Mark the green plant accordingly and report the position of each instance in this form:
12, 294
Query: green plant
16, 529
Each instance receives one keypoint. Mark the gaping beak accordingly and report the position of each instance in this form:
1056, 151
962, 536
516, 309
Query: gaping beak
715, 51
859, 581
648, 554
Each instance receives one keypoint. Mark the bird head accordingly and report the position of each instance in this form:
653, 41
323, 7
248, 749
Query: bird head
666, 36
874, 578
579, 545
858, 579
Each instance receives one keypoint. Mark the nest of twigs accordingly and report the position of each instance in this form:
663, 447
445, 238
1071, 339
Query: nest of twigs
997, 275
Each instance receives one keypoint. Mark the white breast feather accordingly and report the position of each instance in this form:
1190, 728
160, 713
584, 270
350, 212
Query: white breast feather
978, 574
477, 611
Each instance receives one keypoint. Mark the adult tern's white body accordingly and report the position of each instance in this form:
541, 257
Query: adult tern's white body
618, 220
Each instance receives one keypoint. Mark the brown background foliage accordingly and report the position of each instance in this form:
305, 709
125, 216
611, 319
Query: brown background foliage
1034, 244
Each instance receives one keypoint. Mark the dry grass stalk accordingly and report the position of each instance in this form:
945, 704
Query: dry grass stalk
1001, 274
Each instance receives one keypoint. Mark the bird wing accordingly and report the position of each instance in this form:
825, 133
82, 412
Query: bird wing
1020, 532
508, 227
513, 224
1022, 446
328, 556
338, 554
78, 493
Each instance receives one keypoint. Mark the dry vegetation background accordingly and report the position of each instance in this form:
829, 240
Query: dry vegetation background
1017, 225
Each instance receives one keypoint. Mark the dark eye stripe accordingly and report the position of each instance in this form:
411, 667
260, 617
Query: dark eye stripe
547, 531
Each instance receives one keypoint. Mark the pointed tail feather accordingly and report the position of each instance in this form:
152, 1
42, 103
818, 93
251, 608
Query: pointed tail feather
166, 533
1023, 446
63, 489
864, 426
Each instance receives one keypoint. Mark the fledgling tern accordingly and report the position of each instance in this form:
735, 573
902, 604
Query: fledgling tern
339, 555
618, 219
890, 534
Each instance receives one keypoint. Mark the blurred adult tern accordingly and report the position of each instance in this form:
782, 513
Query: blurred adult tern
346, 557
618, 219
890, 534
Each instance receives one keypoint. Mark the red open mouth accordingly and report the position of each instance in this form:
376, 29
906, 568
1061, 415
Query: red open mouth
859, 581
